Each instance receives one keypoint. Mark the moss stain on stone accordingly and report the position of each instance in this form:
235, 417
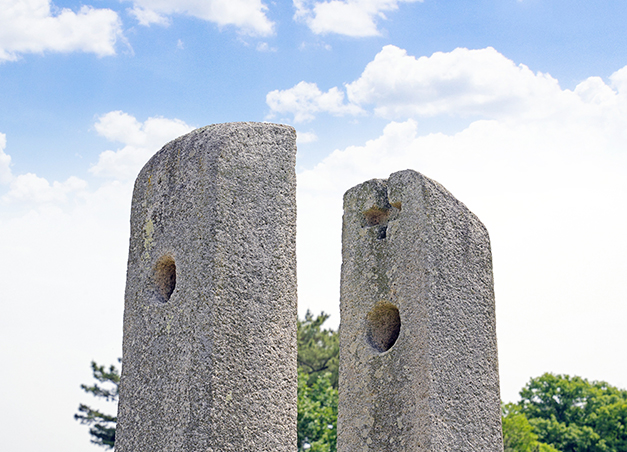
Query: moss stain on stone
149, 229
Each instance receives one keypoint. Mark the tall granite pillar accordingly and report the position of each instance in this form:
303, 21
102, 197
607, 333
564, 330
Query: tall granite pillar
209, 359
418, 355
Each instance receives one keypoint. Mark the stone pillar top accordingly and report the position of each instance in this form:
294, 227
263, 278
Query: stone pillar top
209, 350
418, 355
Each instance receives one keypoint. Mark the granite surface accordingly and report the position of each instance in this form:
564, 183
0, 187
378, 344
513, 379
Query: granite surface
418, 352
209, 351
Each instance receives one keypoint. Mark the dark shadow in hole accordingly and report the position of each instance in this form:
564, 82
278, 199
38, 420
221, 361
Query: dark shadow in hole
383, 325
376, 216
379, 217
165, 277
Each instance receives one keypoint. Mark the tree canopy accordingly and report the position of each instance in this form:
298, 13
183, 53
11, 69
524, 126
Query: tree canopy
318, 348
518, 434
556, 413
571, 414
318, 359
317, 414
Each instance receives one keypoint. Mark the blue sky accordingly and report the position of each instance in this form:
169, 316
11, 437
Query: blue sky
519, 108
218, 75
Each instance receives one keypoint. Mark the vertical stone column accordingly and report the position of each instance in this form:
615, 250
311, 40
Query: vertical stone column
418, 355
209, 359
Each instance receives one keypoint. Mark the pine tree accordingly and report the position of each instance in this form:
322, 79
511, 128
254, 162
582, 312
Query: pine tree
102, 426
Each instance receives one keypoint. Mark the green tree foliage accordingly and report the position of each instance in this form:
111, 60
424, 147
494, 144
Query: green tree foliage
572, 414
318, 353
102, 426
556, 413
317, 413
318, 359
318, 349
518, 434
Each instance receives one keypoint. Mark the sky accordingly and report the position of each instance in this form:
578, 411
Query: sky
518, 107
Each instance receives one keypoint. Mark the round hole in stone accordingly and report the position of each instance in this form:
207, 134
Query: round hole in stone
165, 277
383, 325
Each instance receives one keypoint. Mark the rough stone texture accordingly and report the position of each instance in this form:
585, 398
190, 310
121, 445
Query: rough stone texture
418, 355
209, 360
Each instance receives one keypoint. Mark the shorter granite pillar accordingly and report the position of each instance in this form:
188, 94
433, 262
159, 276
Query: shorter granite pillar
418, 354
209, 358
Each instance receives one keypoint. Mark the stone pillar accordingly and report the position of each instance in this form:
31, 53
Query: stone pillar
209, 359
418, 355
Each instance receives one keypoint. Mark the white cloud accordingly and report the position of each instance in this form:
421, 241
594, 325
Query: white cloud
462, 83
306, 99
553, 196
306, 137
265, 47
546, 176
594, 91
64, 247
63, 272
29, 26
148, 17
248, 16
27, 188
31, 188
141, 141
619, 82
63, 290
355, 18
5, 161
